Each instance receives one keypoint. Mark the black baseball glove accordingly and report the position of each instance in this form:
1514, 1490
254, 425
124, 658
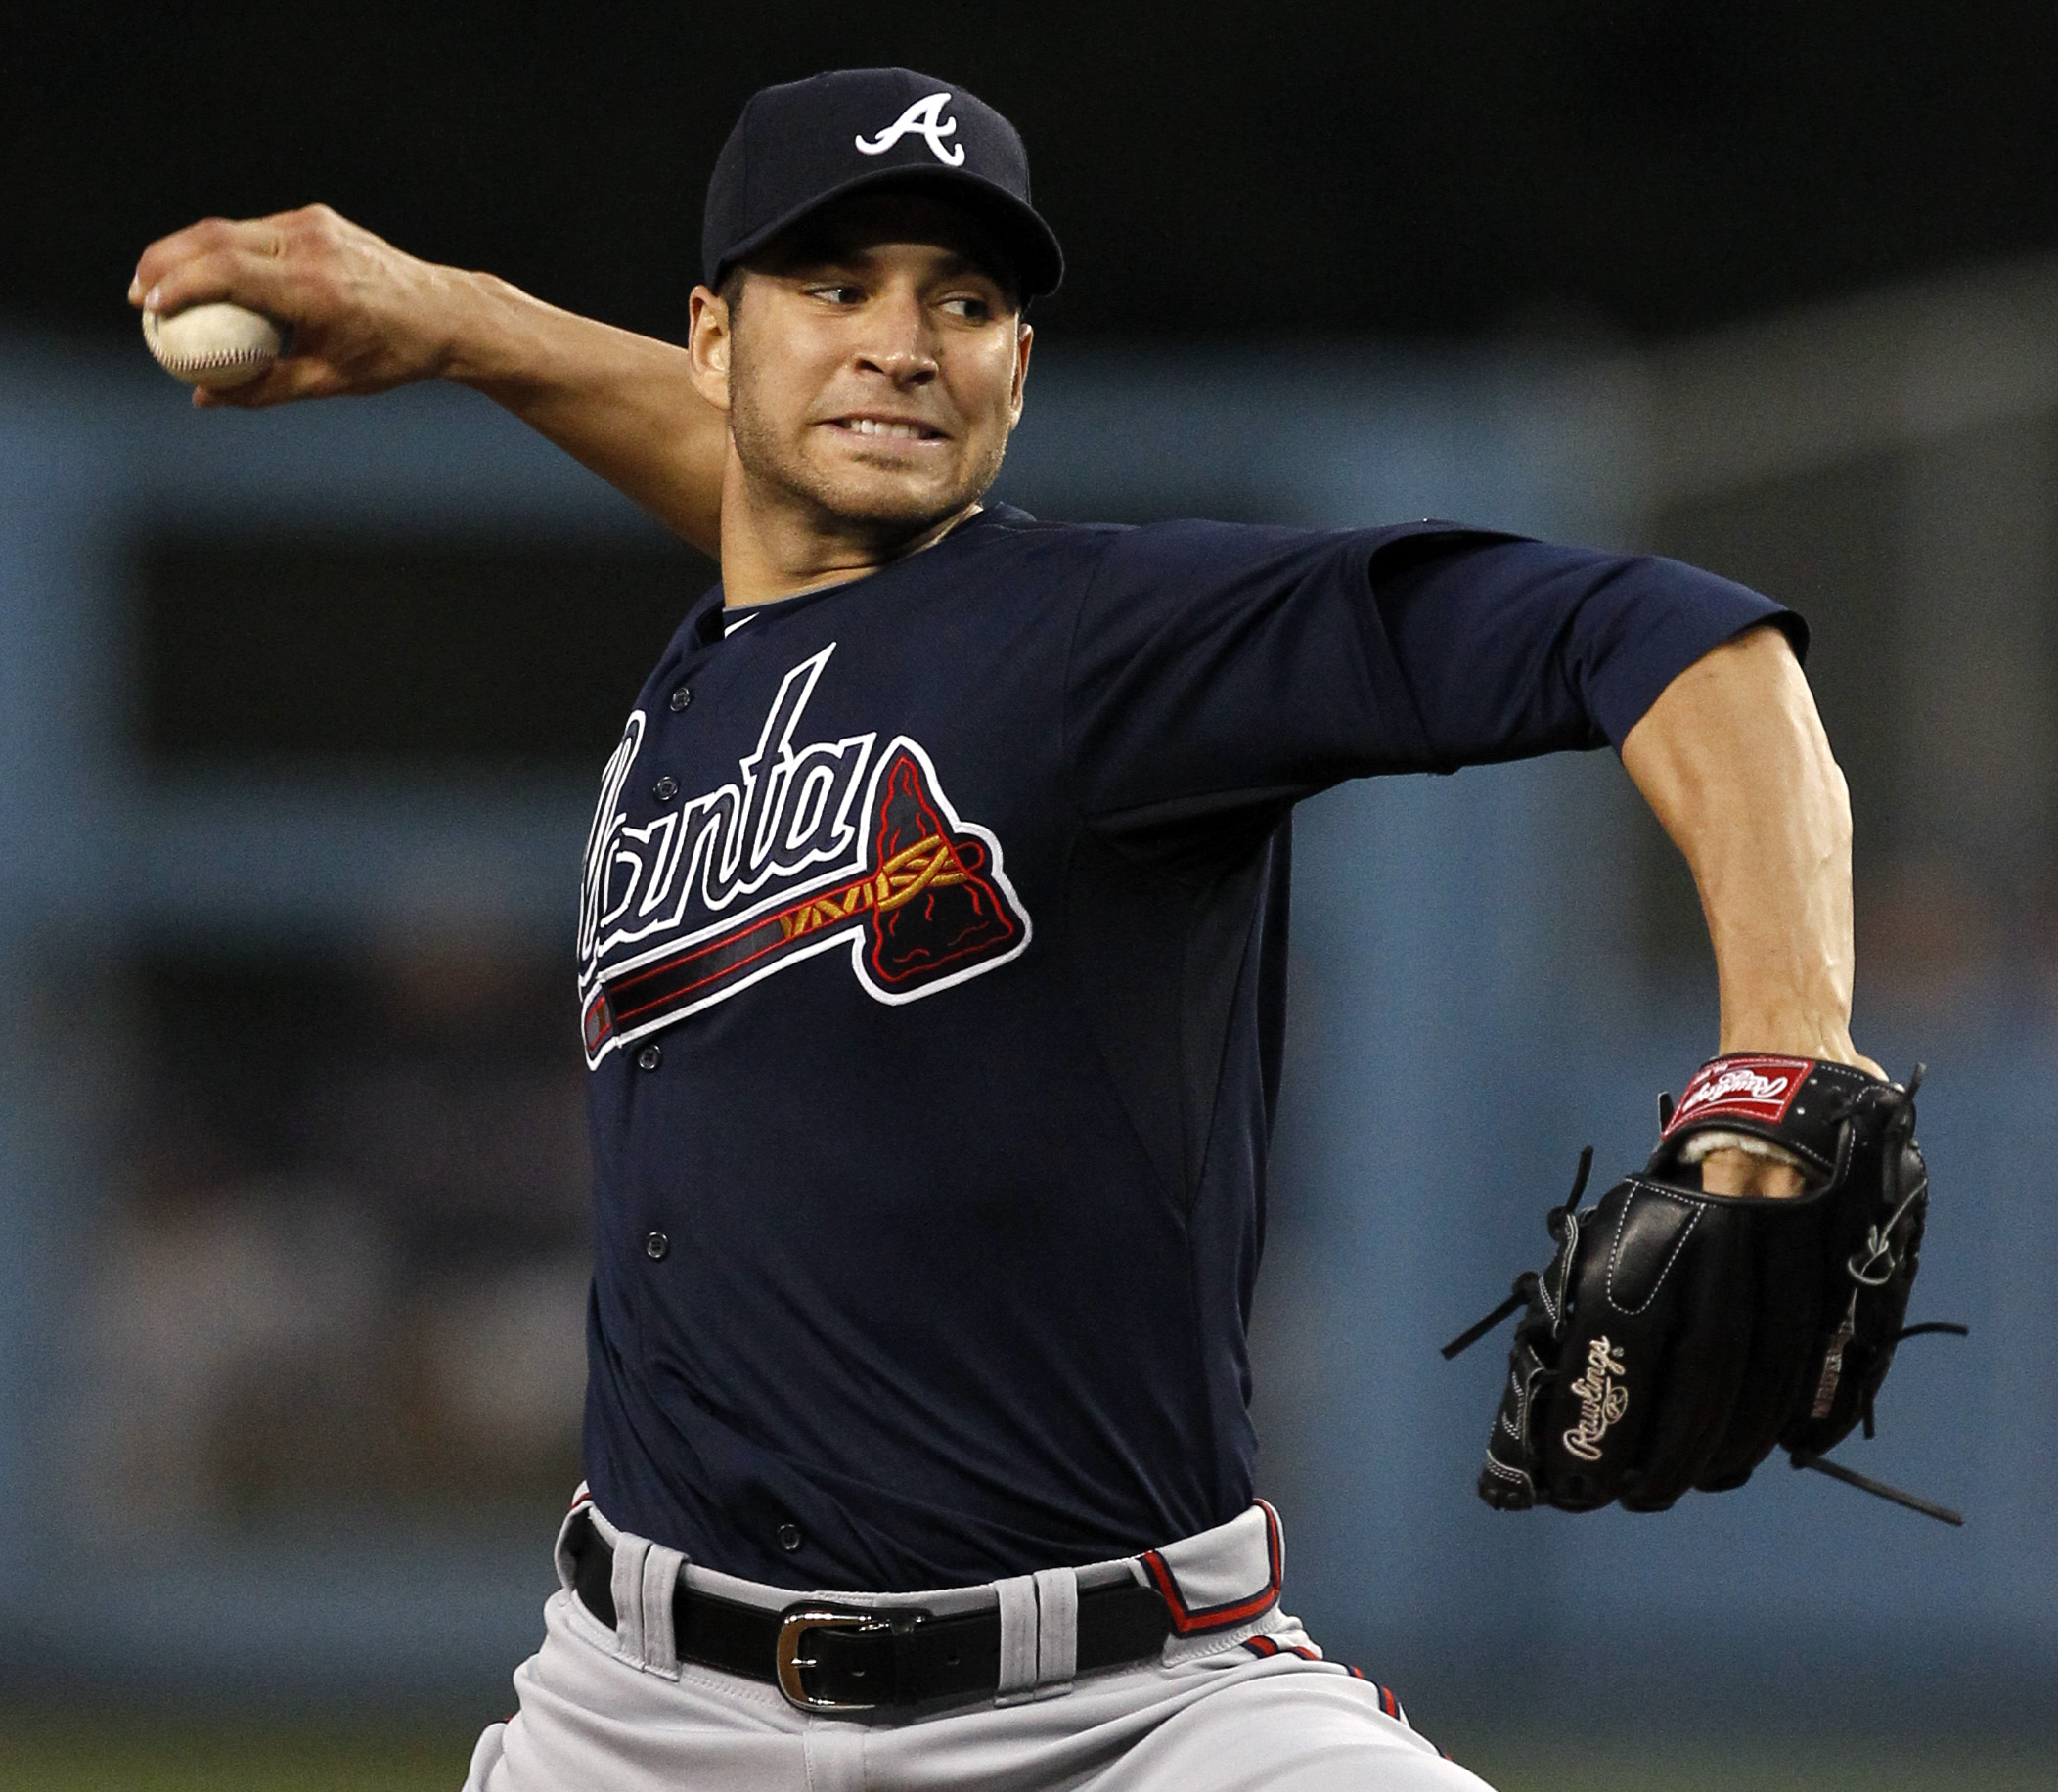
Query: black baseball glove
1677, 1336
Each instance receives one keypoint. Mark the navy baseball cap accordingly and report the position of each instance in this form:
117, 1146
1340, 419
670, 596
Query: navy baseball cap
803, 144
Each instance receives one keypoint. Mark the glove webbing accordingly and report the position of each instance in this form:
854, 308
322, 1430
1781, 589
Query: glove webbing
1525, 1282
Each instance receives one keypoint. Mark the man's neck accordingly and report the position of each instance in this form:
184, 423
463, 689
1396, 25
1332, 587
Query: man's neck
774, 551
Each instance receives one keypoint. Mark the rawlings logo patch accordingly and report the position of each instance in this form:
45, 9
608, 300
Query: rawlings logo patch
836, 844
1603, 1396
1758, 1088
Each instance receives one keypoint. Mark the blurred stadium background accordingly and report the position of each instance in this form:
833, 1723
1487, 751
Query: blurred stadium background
299, 717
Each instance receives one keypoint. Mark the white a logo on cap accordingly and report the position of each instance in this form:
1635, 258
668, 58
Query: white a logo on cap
925, 117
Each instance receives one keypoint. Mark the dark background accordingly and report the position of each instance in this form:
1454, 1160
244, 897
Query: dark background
1637, 167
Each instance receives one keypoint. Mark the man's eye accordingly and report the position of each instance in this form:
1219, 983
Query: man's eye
838, 294
972, 310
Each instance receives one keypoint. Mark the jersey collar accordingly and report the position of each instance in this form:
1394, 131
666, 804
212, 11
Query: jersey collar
709, 620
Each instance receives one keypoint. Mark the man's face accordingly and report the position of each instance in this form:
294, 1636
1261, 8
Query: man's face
875, 365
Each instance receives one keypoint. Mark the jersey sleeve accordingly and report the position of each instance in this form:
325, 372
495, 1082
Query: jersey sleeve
1219, 672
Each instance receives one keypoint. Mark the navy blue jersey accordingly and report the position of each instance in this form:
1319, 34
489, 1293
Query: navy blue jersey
931, 978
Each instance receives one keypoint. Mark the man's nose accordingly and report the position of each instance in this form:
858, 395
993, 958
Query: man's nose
901, 343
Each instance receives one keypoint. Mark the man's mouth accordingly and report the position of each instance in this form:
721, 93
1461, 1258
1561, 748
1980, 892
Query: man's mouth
888, 428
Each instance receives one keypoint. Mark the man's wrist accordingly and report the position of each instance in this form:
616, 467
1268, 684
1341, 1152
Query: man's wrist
1830, 1041
484, 339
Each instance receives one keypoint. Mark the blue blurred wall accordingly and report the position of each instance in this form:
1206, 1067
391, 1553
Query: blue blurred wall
1466, 1014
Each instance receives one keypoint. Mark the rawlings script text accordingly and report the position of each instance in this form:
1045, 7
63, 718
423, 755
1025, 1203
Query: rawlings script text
1603, 1398
1732, 1084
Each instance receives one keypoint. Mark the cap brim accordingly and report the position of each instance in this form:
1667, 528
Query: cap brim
1039, 263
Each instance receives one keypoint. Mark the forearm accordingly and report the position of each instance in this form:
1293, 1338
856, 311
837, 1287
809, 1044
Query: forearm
367, 317
1733, 761
618, 403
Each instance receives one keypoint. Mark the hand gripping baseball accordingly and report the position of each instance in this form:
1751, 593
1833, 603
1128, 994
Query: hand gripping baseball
361, 317
1676, 1335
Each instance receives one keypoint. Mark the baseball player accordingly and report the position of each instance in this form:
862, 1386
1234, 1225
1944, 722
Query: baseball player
931, 953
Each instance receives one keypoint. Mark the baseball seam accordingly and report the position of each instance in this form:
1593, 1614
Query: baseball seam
223, 358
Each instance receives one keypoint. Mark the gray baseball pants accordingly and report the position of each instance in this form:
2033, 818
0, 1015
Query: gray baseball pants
1239, 1700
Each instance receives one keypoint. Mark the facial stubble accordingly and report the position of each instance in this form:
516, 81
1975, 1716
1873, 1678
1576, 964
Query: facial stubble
776, 466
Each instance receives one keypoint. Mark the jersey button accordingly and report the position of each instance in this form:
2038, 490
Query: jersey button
680, 699
656, 1246
650, 1058
790, 1538
666, 789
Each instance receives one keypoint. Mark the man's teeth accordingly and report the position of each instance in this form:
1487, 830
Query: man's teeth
870, 425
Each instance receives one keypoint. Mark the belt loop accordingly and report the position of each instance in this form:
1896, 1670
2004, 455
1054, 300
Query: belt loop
627, 1586
561, 1554
660, 1574
1017, 1598
1056, 1629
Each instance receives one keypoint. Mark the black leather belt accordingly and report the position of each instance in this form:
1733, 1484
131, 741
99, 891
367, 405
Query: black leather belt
828, 1658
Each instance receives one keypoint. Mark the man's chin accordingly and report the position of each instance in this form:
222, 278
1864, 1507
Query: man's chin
888, 506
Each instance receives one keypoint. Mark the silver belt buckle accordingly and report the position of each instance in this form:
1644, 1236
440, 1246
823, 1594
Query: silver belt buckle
793, 1627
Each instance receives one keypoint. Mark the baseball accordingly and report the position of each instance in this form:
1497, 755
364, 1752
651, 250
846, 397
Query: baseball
216, 345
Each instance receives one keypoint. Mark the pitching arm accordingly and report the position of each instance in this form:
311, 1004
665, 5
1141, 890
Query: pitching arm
367, 318
1734, 760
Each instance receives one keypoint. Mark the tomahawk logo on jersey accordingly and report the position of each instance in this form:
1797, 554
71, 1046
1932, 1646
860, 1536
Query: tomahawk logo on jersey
838, 845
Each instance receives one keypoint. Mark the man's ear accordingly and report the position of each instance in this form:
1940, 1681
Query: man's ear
709, 343
1024, 340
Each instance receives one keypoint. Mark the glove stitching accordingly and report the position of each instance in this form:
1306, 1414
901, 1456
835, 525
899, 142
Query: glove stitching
1566, 1253
1518, 1385
1518, 1427
1621, 1219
